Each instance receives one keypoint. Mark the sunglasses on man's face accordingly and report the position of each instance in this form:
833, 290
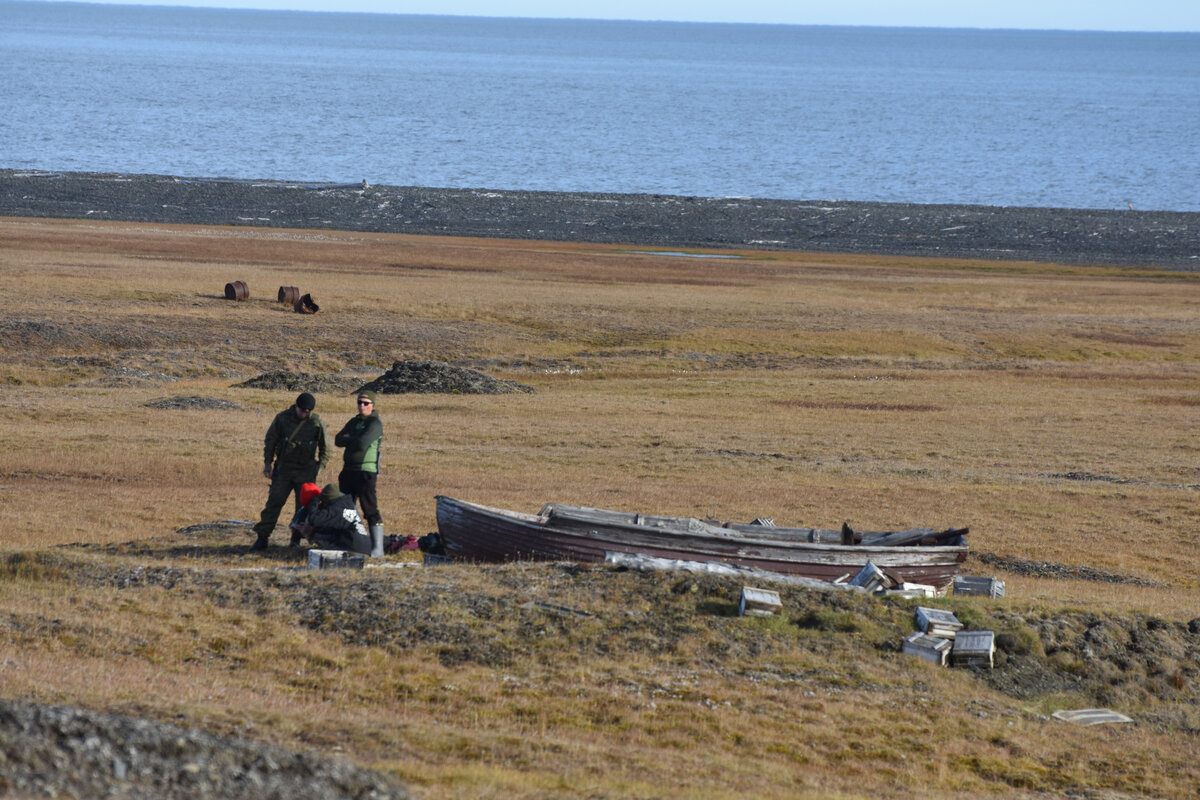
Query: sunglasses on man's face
364, 402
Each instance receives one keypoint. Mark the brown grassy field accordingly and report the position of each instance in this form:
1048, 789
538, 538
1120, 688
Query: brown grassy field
1050, 409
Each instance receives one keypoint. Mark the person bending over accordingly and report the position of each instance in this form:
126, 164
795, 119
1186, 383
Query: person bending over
331, 521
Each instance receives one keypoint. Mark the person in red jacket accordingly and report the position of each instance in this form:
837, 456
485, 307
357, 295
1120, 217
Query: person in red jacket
331, 520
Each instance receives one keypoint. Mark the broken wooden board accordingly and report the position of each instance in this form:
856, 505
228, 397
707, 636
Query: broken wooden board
1090, 716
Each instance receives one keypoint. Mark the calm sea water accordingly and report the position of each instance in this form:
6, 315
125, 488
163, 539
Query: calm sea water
1089, 120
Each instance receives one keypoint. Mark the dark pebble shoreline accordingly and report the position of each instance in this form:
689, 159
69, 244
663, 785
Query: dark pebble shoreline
1132, 238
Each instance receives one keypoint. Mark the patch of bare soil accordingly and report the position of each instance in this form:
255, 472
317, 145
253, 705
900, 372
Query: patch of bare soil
438, 377
57, 751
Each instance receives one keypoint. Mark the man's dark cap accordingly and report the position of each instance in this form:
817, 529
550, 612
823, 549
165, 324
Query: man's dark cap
306, 401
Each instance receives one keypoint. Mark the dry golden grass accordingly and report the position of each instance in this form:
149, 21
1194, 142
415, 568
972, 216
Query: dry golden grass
1050, 409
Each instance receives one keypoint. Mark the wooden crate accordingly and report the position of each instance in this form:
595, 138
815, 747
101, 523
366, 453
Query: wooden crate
871, 577
912, 590
759, 602
334, 559
974, 649
978, 587
930, 648
937, 622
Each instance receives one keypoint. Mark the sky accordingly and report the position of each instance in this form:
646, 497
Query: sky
1105, 15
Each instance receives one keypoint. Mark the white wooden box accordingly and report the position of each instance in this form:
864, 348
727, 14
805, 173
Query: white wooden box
936, 622
334, 559
930, 648
978, 587
974, 648
871, 577
759, 602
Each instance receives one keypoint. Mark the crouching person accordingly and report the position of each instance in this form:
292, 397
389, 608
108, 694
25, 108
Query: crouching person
310, 497
330, 520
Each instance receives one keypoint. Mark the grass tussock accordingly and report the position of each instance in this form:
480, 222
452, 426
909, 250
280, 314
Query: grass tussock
1047, 408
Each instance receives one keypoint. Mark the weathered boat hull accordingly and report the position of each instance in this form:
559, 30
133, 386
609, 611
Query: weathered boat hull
472, 532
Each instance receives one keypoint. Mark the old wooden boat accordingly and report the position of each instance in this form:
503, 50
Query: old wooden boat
472, 532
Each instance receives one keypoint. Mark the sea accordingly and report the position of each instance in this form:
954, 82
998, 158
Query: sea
861, 113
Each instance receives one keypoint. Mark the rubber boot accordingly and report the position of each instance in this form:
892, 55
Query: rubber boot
377, 540
260, 543
295, 542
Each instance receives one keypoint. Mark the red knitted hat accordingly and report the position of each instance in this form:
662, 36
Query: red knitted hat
307, 492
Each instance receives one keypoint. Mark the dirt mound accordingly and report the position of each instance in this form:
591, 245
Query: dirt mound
58, 751
194, 402
437, 377
302, 382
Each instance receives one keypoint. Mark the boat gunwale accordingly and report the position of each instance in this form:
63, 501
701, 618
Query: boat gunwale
542, 522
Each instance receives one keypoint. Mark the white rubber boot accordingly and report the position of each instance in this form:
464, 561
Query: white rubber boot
377, 540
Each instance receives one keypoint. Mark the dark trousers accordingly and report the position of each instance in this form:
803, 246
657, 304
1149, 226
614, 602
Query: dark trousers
361, 485
277, 497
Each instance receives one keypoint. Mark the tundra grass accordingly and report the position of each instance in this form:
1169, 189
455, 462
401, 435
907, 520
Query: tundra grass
1049, 409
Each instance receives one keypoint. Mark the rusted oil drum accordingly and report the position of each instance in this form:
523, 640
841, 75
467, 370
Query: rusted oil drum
306, 305
238, 290
289, 295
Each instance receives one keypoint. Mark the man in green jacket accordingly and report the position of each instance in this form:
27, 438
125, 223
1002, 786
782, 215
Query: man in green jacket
295, 449
361, 437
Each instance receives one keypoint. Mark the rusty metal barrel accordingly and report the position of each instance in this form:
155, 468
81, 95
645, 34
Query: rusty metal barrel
305, 305
289, 295
238, 290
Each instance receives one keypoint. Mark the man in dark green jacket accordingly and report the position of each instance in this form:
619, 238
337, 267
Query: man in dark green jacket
295, 449
361, 437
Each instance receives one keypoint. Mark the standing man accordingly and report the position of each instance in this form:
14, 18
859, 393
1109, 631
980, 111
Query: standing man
361, 437
295, 449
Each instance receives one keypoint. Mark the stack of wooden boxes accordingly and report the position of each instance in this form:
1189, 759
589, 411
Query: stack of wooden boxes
940, 638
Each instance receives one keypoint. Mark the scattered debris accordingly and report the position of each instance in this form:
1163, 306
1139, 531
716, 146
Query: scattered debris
1090, 716
759, 602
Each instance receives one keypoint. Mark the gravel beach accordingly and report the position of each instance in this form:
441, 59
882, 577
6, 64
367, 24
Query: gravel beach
1164, 239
